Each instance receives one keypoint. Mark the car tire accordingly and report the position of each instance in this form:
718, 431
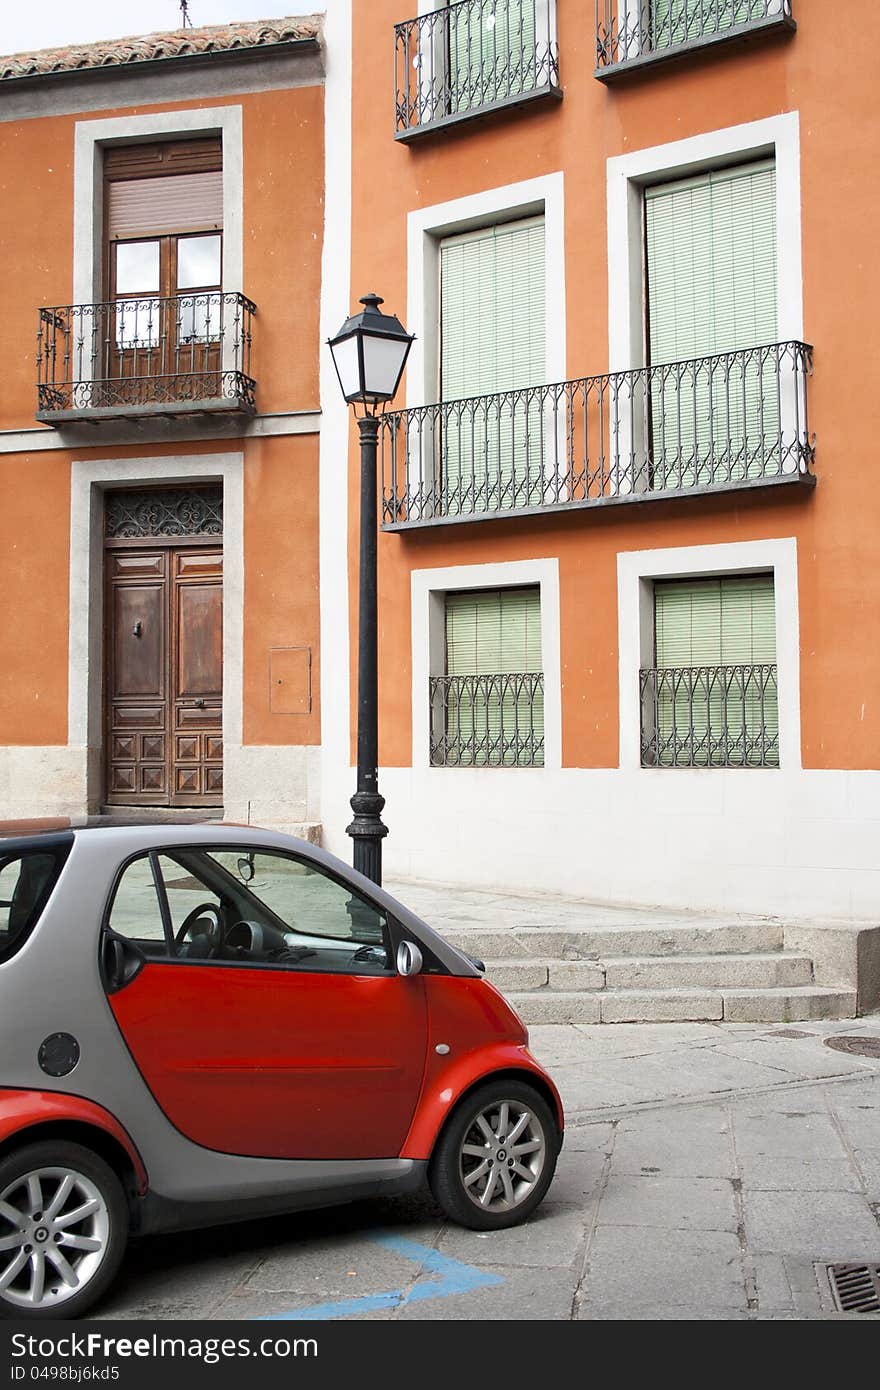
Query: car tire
72, 1178
468, 1164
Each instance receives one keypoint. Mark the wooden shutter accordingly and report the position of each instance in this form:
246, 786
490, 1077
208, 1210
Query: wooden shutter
163, 189
490, 631
492, 51
711, 249
711, 263
494, 722
725, 622
492, 309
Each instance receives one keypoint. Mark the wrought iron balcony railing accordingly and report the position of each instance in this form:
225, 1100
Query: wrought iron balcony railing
710, 716
487, 721
630, 33
732, 420
147, 355
473, 57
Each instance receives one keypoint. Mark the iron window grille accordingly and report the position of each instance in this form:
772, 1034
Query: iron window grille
470, 57
730, 420
134, 355
632, 32
487, 721
710, 716
161, 512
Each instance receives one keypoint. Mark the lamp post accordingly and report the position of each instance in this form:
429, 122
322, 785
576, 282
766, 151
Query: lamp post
369, 354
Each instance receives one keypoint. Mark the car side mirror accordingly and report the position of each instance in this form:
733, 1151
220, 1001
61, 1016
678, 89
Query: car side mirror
409, 958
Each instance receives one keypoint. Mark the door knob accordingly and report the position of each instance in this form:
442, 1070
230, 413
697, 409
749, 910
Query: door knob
199, 704
137, 629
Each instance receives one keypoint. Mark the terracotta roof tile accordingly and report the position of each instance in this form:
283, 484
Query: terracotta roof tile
143, 48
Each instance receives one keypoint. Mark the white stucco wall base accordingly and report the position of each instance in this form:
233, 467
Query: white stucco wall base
272, 785
43, 781
797, 844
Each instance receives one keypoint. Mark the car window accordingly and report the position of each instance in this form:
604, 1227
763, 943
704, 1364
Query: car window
255, 908
26, 880
135, 912
186, 892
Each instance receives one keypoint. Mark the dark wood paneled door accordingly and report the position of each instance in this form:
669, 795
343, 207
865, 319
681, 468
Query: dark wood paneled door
164, 675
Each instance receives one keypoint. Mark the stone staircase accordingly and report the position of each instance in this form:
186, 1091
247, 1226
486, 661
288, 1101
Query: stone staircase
713, 971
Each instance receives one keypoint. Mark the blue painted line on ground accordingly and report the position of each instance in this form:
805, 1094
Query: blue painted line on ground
454, 1277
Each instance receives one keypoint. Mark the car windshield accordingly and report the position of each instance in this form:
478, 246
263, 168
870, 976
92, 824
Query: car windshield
26, 880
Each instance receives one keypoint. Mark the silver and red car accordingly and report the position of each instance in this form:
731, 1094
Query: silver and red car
199, 1024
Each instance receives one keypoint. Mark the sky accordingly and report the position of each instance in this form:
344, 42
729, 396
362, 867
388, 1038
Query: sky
54, 23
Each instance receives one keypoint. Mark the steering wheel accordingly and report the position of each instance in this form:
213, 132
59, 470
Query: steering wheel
212, 937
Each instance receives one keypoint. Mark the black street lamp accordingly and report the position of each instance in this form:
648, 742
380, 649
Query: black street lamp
369, 354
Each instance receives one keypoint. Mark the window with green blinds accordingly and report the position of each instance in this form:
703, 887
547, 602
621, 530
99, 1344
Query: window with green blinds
685, 21
711, 276
492, 51
492, 694
715, 659
492, 340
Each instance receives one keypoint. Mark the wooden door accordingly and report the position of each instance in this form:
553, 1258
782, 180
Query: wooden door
164, 675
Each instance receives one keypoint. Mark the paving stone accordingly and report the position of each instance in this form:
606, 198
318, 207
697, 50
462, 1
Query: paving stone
831, 1226
679, 1204
859, 1118
578, 1176
550, 1238
787, 1131
697, 1145
521, 1297
597, 1138
616, 1312
797, 1172
771, 1281
868, 1161
322, 1271
640, 1267
795, 1057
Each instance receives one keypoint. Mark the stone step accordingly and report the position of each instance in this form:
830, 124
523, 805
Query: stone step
765, 970
787, 1005
680, 938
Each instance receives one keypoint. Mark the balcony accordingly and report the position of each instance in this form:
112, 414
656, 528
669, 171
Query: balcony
487, 721
732, 421
710, 716
473, 58
635, 34
131, 358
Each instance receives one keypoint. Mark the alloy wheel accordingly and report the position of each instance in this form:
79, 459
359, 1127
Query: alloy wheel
54, 1233
502, 1156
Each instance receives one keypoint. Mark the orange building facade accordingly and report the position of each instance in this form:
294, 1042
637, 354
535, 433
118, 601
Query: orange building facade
628, 603
162, 230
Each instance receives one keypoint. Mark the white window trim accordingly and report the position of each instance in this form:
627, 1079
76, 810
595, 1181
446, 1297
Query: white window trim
778, 137
90, 136
428, 590
636, 569
425, 229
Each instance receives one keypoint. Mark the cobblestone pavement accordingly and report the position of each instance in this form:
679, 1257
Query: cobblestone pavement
709, 1171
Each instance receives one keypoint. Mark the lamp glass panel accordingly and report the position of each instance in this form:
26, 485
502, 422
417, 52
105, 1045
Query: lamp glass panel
345, 355
383, 363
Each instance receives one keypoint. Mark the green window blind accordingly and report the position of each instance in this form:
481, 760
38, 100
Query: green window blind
711, 270
686, 21
492, 51
492, 339
493, 638
707, 716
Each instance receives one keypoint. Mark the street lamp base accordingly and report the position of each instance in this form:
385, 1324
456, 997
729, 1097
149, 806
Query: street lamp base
368, 831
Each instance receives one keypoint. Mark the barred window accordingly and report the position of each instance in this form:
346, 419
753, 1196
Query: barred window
487, 709
710, 699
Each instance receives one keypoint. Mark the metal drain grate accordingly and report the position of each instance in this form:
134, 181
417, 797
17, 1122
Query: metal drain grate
867, 1046
856, 1288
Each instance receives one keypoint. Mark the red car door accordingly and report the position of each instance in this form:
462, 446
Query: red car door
311, 1047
